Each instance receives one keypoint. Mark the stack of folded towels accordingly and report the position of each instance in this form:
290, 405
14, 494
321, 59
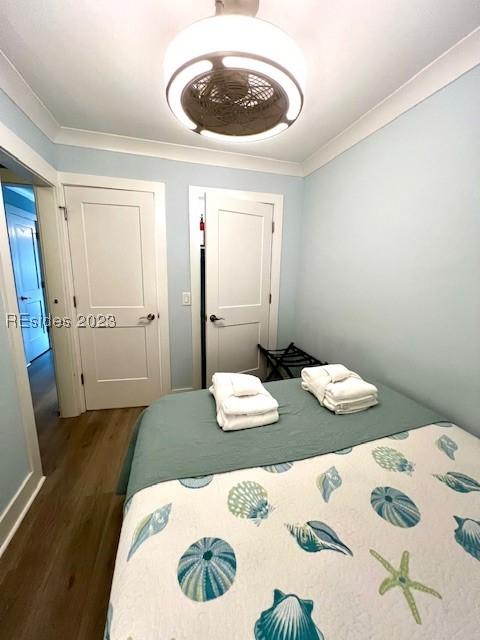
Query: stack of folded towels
338, 389
242, 401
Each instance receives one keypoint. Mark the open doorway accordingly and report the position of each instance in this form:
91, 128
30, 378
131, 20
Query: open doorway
33, 318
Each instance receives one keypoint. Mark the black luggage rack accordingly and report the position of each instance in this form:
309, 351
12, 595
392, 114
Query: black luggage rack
287, 363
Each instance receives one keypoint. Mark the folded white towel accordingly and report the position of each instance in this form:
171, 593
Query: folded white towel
249, 405
245, 384
349, 389
235, 423
317, 379
242, 412
246, 405
337, 372
339, 389
351, 407
313, 390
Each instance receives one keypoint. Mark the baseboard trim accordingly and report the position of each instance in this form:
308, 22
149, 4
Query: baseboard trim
18, 507
182, 389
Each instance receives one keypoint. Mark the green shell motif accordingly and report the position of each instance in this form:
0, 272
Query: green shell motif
289, 618
392, 460
458, 481
248, 499
207, 569
149, 526
395, 507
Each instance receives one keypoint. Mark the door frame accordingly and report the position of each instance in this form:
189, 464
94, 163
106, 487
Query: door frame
30, 167
125, 184
27, 167
196, 195
20, 502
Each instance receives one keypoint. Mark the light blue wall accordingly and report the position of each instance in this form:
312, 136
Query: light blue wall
384, 256
390, 272
177, 177
19, 123
14, 465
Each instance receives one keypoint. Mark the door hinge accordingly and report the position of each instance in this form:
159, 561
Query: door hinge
65, 212
270, 298
75, 301
37, 235
82, 379
273, 226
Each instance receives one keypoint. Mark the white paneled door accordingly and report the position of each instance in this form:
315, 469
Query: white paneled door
22, 232
112, 242
237, 283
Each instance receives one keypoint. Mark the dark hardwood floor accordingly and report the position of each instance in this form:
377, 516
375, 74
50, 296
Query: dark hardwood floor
41, 374
55, 575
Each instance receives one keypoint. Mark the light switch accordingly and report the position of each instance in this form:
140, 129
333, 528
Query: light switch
186, 298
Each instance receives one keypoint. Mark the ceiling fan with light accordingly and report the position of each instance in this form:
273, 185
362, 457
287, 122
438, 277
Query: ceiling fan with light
233, 77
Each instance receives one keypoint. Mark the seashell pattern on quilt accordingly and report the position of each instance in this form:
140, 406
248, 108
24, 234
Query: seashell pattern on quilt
375, 541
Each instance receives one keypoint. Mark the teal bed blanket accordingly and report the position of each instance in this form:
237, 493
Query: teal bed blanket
178, 435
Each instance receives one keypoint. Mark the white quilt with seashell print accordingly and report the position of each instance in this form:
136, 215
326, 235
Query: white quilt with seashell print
375, 542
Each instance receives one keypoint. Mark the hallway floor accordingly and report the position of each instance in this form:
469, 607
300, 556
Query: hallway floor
41, 374
55, 575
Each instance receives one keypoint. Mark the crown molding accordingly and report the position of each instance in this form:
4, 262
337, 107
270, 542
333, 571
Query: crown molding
17, 89
462, 57
18, 149
15, 86
180, 153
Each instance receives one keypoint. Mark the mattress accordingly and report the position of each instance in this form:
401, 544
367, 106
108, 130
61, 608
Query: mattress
178, 435
380, 540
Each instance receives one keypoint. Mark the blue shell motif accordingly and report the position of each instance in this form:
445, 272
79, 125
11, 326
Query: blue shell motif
448, 446
329, 481
467, 534
342, 452
108, 623
392, 460
458, 481
316, 536
127, 505
278, 468
289, 618
196, 483
395, 507
403, 435
248, 499
207, 569
149, 526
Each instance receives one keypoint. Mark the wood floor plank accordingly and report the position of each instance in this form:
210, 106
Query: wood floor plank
55, 575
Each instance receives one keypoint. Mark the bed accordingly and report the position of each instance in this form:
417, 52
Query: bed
359, 527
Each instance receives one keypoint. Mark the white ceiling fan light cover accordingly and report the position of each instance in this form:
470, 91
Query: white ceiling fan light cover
236, 47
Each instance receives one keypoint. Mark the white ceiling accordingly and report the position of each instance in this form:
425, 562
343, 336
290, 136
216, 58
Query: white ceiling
97, 65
